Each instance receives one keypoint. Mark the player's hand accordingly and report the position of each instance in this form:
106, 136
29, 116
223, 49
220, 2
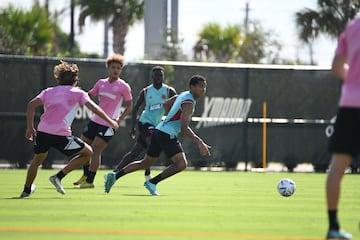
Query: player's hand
204, 149
114, 124
30, 133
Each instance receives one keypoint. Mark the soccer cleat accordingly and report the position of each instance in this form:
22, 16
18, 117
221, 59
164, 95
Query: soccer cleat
81, 180
338, 235
24, 194
86, 185
57, 183
148, 177
151, 187
110, 179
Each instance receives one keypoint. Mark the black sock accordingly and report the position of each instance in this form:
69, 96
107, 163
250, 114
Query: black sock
119, 174
90, 177
60, 175
27, 189
168, 172
147, 172
156, 179
86, 169
333, 220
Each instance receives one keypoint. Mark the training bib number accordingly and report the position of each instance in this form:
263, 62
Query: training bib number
155, 107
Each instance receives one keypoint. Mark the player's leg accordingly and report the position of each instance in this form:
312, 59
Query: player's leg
87, 136
173, 149
111, 177
179, 164
70, 146
31, 174
98, 146
338, 166
80, 158
343, 145
147, 172
42, 144
129, 157
86, 166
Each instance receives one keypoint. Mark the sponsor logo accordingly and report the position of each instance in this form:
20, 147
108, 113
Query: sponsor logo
220, 111
329, 130
83, 113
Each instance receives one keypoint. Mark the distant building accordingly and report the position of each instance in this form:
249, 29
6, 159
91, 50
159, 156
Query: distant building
161, 17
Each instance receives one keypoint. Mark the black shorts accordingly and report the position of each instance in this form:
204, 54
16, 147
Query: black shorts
145, 132
161, 141
68, 145
346, 136
94, 129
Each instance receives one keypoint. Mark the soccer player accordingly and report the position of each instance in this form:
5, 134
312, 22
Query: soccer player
344, 143
165, 139
153, 97
60, 104
111, 93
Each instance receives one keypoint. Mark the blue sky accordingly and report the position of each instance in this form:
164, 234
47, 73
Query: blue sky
275, 15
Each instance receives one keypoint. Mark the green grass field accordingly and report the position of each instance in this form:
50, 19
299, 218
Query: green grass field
192, 205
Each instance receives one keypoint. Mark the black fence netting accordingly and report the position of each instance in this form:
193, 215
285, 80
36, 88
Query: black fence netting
300, 104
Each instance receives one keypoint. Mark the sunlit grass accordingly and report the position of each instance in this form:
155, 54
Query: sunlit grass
192, 205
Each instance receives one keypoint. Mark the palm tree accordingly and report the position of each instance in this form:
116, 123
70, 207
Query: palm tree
222, 43
26, 32
121, 14
330, 19
230, 44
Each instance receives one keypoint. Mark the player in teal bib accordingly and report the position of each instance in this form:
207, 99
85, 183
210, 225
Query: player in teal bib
164, 139
172, 124
153, 97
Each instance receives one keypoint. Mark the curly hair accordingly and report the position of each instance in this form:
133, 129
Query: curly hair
115, 58
66, 73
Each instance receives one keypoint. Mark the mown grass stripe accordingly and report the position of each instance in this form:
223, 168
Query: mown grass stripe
158, 233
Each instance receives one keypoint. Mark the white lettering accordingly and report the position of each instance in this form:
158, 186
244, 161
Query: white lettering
84, 113
221, 111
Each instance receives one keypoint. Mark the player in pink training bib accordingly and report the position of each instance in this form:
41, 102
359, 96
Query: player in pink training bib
112, 93
345, 141
60, 105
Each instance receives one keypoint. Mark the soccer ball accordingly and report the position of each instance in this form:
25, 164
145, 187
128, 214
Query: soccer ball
286, 187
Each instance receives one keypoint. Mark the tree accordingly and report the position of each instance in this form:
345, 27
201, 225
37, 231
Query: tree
35, 32
25, 32
121, 14
259, 44
222, 43
231, 44
329, 19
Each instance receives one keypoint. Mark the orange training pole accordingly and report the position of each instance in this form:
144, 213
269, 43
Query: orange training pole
264, 138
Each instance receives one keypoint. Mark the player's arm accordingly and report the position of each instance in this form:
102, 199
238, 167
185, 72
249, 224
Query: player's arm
98, 111
187, 131
30, 113
127, 110
91, 95
168, 104
340, 66
172, 92
134, 114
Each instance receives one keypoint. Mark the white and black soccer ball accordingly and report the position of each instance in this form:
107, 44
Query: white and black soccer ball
286, 187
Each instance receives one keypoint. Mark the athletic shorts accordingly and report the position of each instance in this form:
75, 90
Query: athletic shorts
346, 136
145, 132
93, 130
68, 145
161, 141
